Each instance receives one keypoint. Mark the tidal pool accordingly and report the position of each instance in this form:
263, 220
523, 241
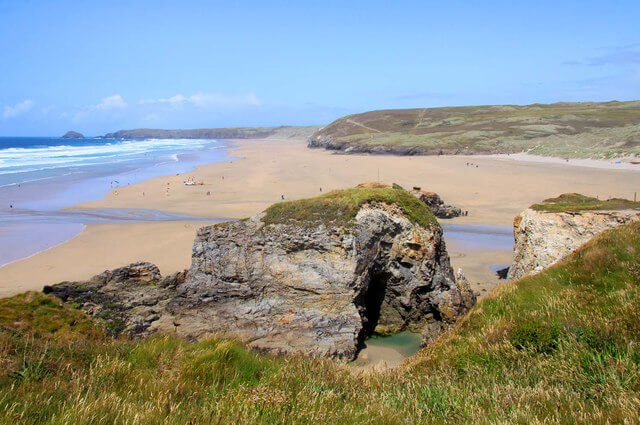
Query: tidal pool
388, 350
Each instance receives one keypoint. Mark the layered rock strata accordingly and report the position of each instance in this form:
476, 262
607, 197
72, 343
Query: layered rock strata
543, 238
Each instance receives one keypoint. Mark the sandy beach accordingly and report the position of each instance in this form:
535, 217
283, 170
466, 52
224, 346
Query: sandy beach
492, 190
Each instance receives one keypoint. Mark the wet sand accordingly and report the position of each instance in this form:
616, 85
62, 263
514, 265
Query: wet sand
492, 190
103, 247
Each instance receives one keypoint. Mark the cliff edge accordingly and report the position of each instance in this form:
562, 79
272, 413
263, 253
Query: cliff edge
549, 231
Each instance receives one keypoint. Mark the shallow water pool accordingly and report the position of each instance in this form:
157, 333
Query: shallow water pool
388, 350
406, 343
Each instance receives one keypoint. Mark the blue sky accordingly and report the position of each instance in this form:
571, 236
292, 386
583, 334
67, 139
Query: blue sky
99, 66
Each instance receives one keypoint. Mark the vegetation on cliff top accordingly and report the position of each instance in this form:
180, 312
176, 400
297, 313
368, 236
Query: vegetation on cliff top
572, 130
568, 202
340, 207
559, 347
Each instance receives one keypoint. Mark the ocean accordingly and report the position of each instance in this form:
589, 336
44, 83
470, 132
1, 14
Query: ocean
41, 176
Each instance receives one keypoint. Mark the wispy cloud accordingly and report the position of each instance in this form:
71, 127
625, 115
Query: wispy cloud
111, 102
17, 109
204, 100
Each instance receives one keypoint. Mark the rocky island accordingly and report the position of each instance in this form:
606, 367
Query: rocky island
73, 135
315, 276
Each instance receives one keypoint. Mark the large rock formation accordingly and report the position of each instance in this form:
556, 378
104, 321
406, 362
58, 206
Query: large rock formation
314, 276
548, 232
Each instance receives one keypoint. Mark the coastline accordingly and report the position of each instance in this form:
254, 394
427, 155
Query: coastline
259, 171
42, 178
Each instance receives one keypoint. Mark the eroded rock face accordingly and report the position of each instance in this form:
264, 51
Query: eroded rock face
289, 288
315, 290
544, 238
129, 299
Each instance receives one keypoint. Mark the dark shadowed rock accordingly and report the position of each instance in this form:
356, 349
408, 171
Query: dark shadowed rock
127, 299
502, 273
436, 204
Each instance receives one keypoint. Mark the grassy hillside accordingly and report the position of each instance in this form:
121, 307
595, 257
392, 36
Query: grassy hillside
282, 132
573, 130
557, 347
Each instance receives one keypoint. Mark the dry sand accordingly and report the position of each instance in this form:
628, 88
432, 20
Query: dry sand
491, 189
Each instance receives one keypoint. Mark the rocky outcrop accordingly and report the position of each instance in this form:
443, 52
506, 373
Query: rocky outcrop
128, 299
292, 286
73, 135
319, 141
317, 290
436, 204
542, 238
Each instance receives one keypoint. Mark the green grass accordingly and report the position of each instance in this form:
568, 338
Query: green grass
557, 347
569, 202
339, 208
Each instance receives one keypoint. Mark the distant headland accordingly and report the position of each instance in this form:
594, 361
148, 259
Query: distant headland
565, 130
282, 132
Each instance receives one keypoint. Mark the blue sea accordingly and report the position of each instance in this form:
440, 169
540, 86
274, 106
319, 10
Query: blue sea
40, 177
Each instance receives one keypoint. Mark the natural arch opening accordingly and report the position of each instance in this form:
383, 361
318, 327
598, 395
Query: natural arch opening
372, 300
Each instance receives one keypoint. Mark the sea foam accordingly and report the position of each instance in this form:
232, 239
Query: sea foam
16, 159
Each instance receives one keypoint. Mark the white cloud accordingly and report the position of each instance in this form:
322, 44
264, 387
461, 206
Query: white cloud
204, 100
112, 102
108, 107
17, 109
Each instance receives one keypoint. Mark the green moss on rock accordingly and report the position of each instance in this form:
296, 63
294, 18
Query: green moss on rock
340, 207
577, 202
